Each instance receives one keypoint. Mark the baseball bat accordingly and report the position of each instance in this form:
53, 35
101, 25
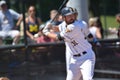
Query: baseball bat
59, 9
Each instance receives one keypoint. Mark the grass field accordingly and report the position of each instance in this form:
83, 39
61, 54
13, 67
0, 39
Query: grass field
109, 21
110, 26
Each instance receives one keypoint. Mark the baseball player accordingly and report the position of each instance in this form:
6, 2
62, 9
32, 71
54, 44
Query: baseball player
81, 60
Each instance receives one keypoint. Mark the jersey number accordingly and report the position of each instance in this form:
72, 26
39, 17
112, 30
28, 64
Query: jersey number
74, 42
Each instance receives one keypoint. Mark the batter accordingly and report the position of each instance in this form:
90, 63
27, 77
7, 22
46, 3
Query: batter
80, 58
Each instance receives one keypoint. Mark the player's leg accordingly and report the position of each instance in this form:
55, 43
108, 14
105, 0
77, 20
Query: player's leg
68, 57
73, 73
87, 69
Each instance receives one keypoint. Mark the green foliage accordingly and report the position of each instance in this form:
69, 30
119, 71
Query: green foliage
47, 5
109, 21
107, 7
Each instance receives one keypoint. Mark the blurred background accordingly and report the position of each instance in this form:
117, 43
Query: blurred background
46, 61
106, 10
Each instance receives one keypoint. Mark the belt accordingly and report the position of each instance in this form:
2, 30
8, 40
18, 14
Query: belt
78, 55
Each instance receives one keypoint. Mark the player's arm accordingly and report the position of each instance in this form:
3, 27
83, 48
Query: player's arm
89, 36
50, 34
56, 29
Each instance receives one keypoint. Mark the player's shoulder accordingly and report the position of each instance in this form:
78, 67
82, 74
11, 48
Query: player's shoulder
80, 22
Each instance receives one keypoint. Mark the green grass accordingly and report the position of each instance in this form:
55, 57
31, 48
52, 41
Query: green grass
109, 21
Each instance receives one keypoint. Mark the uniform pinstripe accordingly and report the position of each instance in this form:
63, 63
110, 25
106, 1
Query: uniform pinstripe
83, 66
80, 58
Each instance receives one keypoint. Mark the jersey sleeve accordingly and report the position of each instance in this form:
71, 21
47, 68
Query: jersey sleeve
85, 29
60, 26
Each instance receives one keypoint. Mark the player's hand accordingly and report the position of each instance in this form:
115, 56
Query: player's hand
69, 28
46, 29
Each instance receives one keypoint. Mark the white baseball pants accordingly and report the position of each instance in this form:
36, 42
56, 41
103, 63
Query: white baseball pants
81, 68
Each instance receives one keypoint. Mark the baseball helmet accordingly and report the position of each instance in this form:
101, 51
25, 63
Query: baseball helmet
75, 10
67, 11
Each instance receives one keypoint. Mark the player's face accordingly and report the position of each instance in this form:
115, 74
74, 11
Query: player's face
69, 18
76, 15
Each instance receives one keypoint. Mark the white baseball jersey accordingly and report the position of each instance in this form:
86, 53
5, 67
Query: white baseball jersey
75, 37
76, 43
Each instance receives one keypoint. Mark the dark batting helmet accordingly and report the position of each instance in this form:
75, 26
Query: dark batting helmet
67, 11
